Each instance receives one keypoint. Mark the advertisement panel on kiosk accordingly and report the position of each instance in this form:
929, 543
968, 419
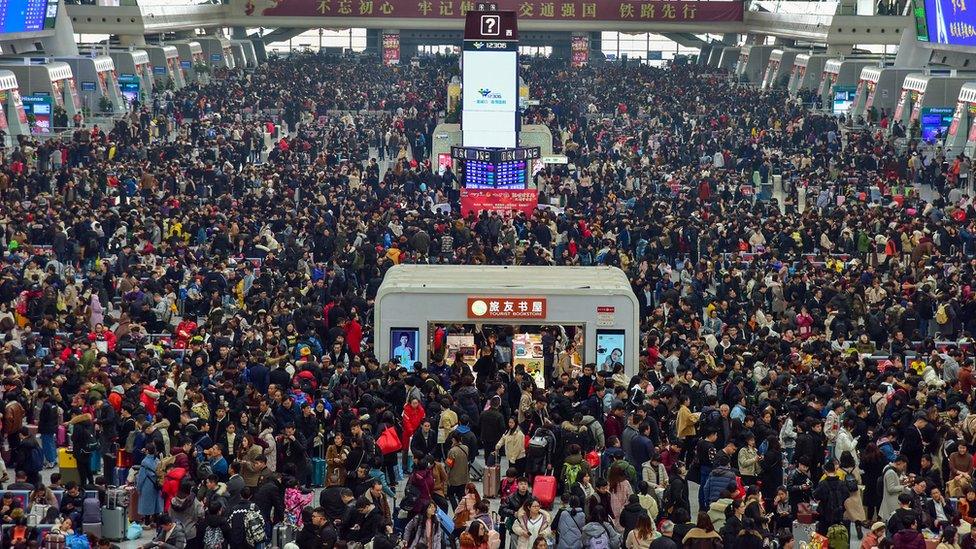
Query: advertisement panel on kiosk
936, 122
403, 346
489, 97
610, 349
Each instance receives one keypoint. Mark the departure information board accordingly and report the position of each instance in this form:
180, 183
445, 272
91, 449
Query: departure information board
27, 15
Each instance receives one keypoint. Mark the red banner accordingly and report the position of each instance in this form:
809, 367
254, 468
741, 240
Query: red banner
580, 51
499, 200
391, 48
564, 10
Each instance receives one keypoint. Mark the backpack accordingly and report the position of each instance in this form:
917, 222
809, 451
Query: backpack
213, 537
603, 541
881, 479
838, 537
253, 525
942, 315
571, 472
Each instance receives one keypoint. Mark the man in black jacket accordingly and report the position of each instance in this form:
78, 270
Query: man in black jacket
47, 426
830, 496
363, 523
334, 502
270, 499
424, 441
238, 523
318, 532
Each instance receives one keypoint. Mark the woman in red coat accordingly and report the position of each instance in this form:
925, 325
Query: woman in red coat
413, 416
171, 485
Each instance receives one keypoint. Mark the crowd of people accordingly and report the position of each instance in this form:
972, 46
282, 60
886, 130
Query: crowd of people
186, 305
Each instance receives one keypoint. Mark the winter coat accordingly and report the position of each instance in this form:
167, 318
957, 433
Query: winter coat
696, 538
569, 528
150, 496
721, 478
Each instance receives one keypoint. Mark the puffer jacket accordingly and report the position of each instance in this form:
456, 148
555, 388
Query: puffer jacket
569, 528
721, 478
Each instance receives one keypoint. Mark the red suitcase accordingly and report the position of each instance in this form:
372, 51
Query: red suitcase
544, 490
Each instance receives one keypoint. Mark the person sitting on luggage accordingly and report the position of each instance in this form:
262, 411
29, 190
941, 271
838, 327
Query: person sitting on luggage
72, 502
8, 506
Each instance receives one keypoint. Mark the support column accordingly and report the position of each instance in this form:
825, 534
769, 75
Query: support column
63, 41
374, 42
596, 46
910, 54
562, 46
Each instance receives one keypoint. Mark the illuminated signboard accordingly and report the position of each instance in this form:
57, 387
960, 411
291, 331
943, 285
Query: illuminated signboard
27, 15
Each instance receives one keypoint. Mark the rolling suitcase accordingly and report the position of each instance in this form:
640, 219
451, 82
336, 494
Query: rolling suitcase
133, 503
92, 511
318, 472
544, 490
114, 519
282, 534
54, 540
68, 466
492, 481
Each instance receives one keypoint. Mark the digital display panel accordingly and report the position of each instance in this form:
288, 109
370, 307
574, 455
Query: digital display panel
27, 15
487, 175
403, 346
609, 349
844, 98
489, 95
945, 22
935, 122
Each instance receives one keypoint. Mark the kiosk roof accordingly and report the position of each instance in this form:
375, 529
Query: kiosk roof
474, 278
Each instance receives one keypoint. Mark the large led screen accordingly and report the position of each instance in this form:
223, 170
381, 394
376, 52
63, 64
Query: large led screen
490, 81
27, 15
946, 22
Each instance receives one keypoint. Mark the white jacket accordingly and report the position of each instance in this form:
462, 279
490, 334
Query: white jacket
845, 442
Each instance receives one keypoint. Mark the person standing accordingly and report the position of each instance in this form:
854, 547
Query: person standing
457, 470
150, 497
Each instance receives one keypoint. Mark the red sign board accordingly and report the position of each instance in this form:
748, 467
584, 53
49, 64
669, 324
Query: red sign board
507, 307
499, 200
580, 51
533, 10
391, 48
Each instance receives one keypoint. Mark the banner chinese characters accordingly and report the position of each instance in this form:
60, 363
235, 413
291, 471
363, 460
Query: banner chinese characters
580, 51
564, 10
391, 48
499, 200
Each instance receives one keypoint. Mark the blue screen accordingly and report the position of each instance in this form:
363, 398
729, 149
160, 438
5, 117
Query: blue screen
946, 23
487, 175
935, 122
26, 15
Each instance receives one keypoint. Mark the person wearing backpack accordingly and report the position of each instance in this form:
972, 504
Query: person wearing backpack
574, 467
598, 533
247, 526
830, 496
568, 524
